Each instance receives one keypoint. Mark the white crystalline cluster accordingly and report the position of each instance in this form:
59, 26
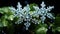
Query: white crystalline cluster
24, 14
19, 11
43, 12
27, 25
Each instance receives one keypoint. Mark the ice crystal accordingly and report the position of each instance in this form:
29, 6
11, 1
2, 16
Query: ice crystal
18, 12
27, 24
28, 17
23, 14
43, 12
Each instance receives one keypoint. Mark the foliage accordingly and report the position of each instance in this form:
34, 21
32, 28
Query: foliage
5, 17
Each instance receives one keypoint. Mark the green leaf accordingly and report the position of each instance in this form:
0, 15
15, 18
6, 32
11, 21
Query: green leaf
31, 6
58, 29
1, 25
57, 21
11, 17
4, 22
41, 30
1, 12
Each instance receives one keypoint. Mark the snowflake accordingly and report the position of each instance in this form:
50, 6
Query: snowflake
27, 24
23, 14
28, 17
43, 12
18, 12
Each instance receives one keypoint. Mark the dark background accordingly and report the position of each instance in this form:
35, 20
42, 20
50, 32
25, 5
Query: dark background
55, 3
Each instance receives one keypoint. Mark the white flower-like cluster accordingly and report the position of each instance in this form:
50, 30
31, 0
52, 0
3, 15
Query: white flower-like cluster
24, 14
43, 12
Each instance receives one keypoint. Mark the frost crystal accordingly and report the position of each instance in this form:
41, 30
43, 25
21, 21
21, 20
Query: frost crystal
18, 12
43, 12
27, 24
24, 14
